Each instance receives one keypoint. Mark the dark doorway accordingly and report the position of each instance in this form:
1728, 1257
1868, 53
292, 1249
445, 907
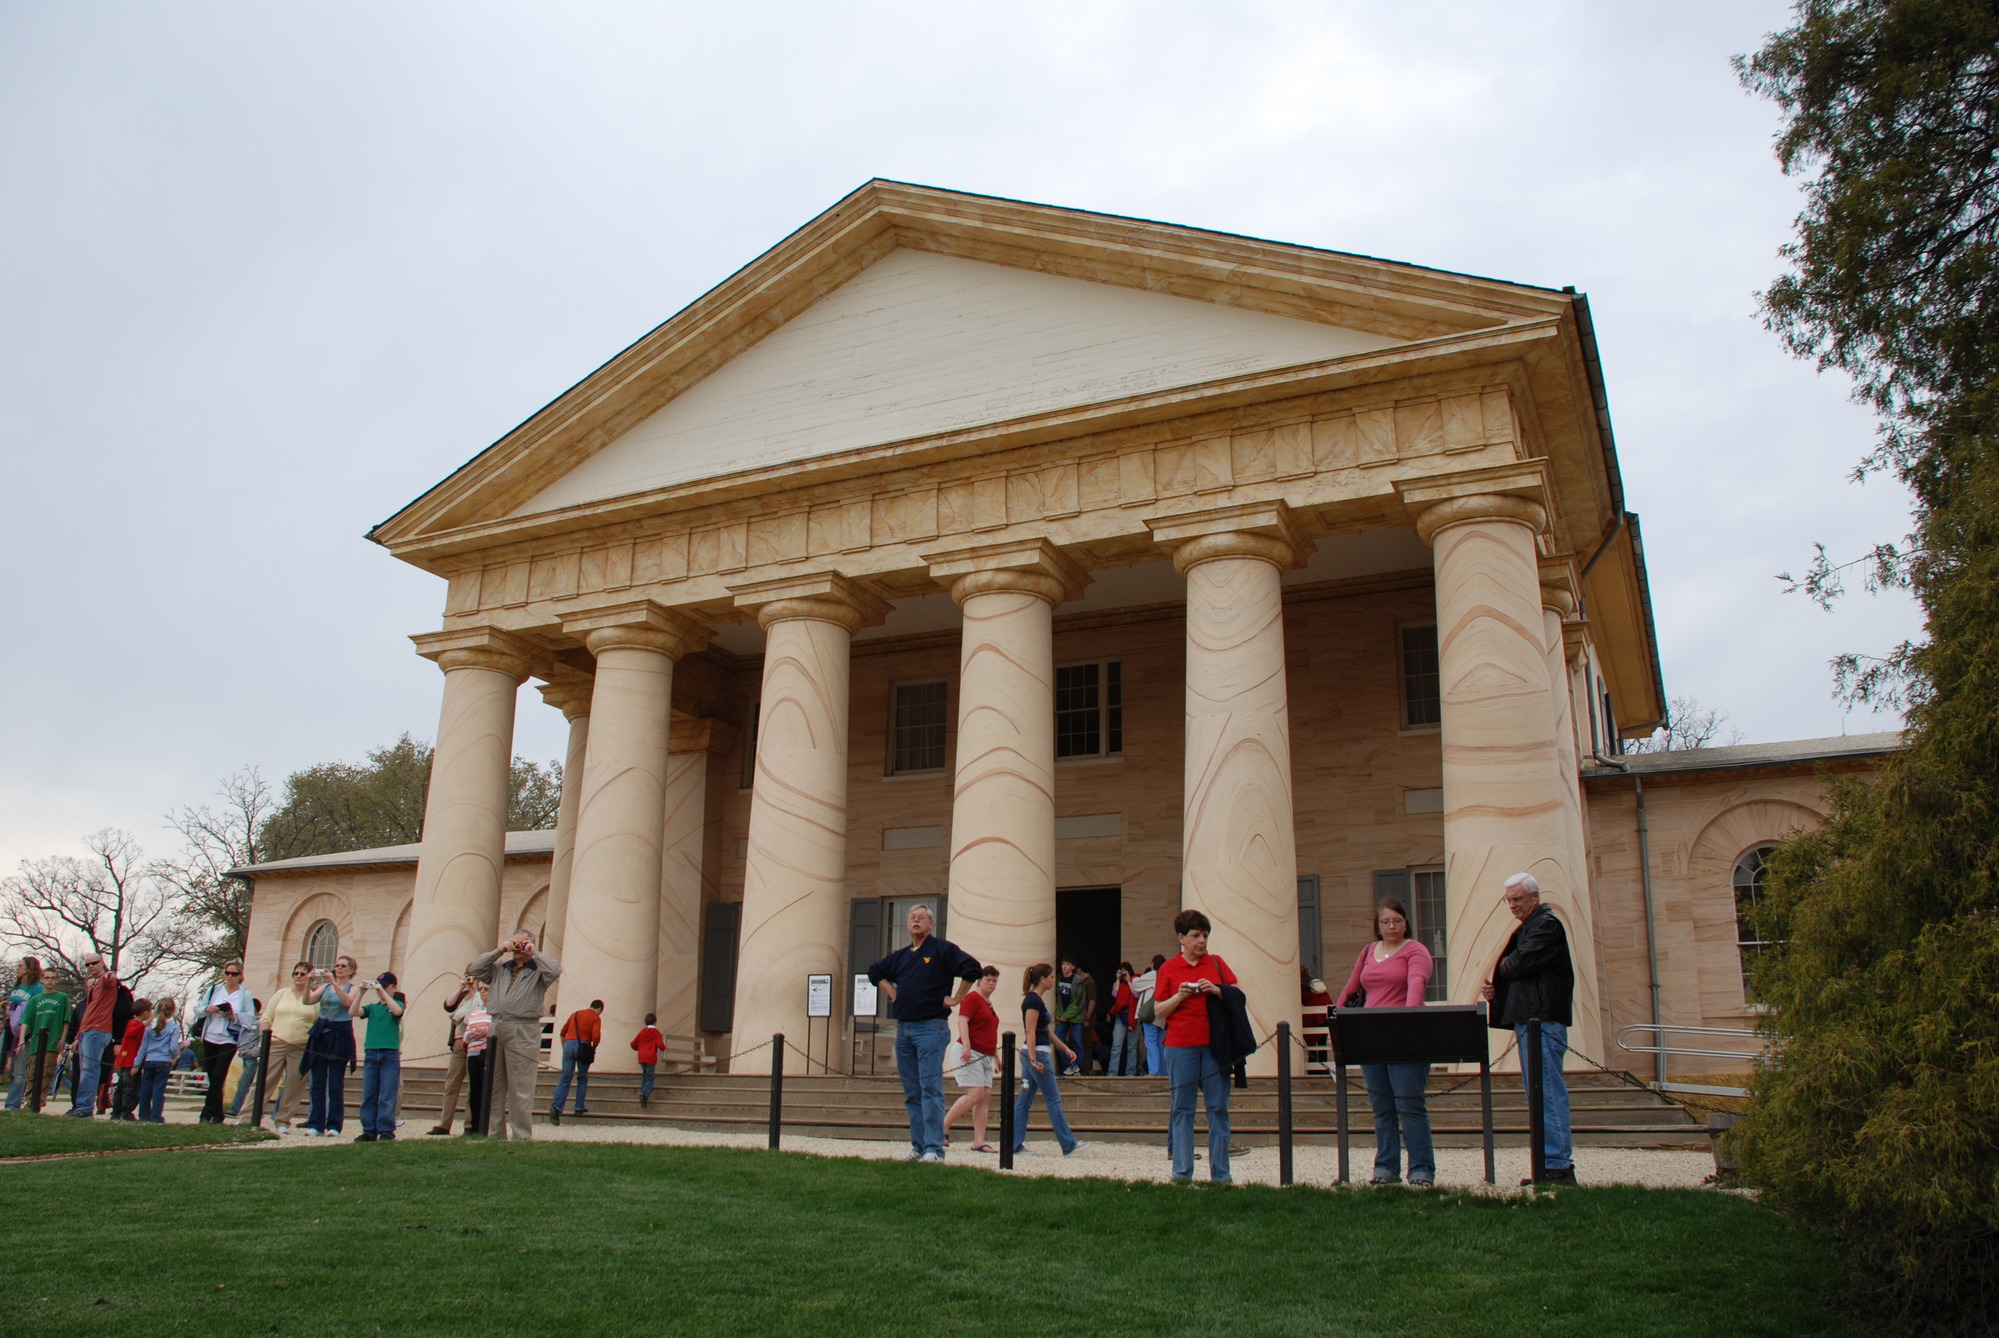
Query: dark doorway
1089, 930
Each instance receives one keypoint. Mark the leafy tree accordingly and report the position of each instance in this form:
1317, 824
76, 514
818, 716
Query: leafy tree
1879, 1111
211, 924
1688, 725
338, 806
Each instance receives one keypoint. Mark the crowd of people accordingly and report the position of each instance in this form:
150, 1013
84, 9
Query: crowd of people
1185, 1018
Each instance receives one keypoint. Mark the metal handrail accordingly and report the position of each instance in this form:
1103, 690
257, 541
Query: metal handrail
1662, 1050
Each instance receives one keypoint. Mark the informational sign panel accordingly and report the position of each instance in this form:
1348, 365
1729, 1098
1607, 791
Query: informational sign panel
866, 997
819, 996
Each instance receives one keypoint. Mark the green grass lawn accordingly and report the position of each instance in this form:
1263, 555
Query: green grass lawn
26, 1134
578, 1239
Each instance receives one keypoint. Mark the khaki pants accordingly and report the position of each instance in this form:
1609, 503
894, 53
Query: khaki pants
516, 1050
454, 1082
284, 1081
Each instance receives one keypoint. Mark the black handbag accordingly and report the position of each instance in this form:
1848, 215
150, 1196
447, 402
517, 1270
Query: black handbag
1358, 999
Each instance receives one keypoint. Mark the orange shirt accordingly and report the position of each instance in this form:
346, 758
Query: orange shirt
584, 1025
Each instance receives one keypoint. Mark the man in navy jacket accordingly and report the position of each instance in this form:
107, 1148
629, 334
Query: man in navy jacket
1534, 978
917, 978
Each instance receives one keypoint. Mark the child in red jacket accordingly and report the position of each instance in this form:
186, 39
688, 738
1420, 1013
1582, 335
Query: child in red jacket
127, 1099
649, 1042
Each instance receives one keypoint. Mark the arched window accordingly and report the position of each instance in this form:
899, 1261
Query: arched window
322, 945
1749, 875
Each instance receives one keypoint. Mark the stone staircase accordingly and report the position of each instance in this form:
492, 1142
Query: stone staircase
1605, 1111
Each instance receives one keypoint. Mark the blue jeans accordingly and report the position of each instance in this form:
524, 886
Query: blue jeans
1396, 1093
1076, 1036
580, 1073
1044, 1083
1190, 1068
645, 1080
1155, 1047
919, 1059
381, 1085
153, 1091
1560, 1152
247, 1083
90, 1048
327, 1109
1124, 1050
24, 1069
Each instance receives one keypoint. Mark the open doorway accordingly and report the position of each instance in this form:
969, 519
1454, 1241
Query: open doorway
1089, 930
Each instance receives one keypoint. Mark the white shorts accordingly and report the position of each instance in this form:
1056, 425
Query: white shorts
971, 1070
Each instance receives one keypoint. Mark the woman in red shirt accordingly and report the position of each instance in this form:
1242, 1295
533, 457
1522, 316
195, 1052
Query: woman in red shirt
974, 1067
1180, 1004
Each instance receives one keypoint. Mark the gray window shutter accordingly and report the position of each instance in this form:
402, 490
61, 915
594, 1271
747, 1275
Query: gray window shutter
1389, 883
864, 936
1310, 941
718, 965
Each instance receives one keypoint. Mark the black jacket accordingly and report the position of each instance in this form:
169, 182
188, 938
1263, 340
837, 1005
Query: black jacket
1230, 1037
1533, 977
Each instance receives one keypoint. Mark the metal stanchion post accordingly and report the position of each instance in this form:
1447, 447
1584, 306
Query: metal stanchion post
1485, 1110
41, 1061
1006, 1101
263, 1077
485, 1089
1284, 1103
776, 1088
1537, 1114
1339, 1086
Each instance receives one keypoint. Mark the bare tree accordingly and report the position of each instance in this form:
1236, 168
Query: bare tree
1689, 725
109, 902
211, 919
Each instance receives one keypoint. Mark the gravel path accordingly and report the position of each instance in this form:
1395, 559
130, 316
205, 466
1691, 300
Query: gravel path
1457, 1168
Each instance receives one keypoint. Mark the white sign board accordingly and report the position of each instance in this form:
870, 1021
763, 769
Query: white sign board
819, 996
866, 997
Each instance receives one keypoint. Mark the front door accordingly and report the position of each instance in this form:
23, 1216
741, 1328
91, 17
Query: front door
1089, 931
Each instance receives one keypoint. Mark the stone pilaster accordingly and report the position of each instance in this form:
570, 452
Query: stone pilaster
1507, 806
611, 937
1240, 860
1003, 804
1560, 584
568, 692
455, 914
795, 883
684, 877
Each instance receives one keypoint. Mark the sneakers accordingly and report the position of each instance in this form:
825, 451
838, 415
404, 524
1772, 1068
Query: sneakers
74, 1114
1422, 1182
1386, 1180
932, 1157
906, 1154
1080, 1147
367, 1138
555, 1117
1023, 1151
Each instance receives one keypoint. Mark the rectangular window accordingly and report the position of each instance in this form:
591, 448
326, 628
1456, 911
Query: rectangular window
1089, 709
1429, 928
1422, 695
919, 726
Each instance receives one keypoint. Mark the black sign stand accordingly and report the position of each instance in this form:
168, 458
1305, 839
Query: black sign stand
1446, 1034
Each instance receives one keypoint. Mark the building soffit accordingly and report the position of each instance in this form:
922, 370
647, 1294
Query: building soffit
1438, 319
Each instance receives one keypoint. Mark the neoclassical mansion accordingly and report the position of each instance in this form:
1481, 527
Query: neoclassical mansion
1059, 570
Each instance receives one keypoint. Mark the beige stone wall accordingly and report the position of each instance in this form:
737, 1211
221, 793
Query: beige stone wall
371, 909
1699, 826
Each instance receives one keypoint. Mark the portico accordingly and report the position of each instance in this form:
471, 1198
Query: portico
825, 571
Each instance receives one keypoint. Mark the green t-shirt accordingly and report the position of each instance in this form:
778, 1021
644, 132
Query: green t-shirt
385, 1029
45, 1017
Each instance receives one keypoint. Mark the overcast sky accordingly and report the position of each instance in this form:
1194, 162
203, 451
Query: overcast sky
269, 271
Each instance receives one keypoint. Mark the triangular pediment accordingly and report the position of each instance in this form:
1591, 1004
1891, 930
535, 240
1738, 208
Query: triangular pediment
922, 343
906, 313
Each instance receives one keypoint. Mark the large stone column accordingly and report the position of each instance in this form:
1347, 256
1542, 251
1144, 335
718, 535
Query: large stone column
1003, 806
611, 939
1240, 859
684, 877
795, 885
568, 692
1505, 807
1560, 583
456, 912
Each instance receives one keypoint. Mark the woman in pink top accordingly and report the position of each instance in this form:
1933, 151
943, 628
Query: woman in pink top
1395, 970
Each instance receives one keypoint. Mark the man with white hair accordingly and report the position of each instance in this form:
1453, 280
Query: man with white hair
916, 979
1534, 979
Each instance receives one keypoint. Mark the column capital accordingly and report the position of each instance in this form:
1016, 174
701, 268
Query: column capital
1028, 566
568, 691
482, 648
1561, 585
825, 597
1517, 492
640, 624
1268, 531
698, 734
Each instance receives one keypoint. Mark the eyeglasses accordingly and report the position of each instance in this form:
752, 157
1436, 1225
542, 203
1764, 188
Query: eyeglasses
232, 973
301, 973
